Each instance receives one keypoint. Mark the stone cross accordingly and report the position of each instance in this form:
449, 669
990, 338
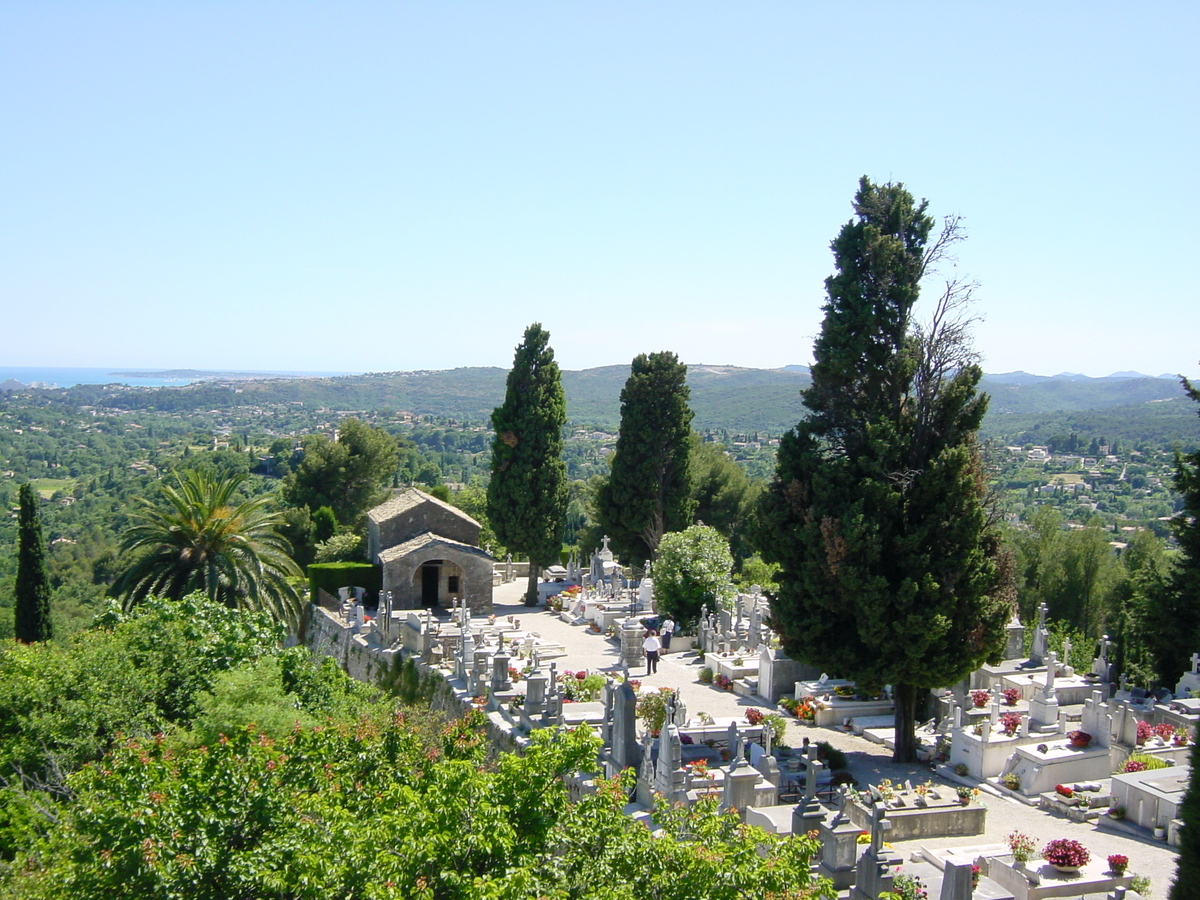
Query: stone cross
1195, 662
879, 824
815, 767
1051, 671
767, 732
1066, 651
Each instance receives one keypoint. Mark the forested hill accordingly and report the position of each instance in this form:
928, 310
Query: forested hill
723, 397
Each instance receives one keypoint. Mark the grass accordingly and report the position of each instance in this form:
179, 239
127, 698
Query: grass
47, 487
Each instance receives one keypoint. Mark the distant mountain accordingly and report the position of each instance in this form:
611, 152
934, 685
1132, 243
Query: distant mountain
11, 384
723, 397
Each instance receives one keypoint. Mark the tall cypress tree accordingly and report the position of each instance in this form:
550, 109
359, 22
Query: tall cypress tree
1187, 872
527, 494
33, 587
649, 490
1173, 627
891, 569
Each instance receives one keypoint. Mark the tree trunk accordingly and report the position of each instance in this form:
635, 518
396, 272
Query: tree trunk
905, 698
531, 591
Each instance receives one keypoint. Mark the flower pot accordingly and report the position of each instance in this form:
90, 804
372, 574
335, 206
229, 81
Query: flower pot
1160, 833
1066, 869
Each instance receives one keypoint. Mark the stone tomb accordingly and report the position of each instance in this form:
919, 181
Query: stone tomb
1151, 798
939, 813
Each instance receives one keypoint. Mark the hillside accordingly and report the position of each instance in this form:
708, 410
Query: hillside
723, 397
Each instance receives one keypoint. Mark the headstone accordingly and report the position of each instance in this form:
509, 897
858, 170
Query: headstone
500, 679
1043, 709
535, 693
875, 872
956, 880
625, 749
1037, 653
1191, 679
1015, 647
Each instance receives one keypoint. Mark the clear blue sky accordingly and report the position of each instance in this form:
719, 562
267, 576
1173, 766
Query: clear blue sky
384, 185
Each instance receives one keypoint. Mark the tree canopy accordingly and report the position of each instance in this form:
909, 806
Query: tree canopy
878, 515
1175, 621
347, 474
206, 539
649, 490
527, 494
32, 614
692, 569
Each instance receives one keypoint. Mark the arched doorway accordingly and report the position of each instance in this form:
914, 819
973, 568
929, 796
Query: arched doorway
439, 582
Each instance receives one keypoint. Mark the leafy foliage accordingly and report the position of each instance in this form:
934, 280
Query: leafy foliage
347, 474
692, 570
877, 516
1176, 615
527, 496
648, 492
208, 541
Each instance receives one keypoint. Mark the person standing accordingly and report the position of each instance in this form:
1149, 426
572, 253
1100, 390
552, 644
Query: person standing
668, 630
650, 646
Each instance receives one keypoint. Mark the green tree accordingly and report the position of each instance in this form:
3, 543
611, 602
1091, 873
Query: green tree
692, 569
1187, 872
649, 490
347, 474
724, 497
891, 569
207, 540
32, 614
527, 495
1176, 617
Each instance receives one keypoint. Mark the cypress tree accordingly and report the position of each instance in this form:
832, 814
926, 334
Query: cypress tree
890, 563
1173, 627
33, 587
527, 494
649, 490
1187, 872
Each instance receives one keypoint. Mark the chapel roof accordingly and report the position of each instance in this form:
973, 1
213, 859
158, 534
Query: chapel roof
410, 499
429, 539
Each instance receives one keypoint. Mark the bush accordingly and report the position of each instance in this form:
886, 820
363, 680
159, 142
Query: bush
831, 754
1141, 762
331, 576
706, 675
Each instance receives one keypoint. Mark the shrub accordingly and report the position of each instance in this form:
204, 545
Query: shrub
778, 726
1140, 762
652, 707
706, 675
1066, 852
834, 757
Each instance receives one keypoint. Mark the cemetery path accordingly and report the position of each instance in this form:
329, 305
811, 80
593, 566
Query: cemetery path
868, 762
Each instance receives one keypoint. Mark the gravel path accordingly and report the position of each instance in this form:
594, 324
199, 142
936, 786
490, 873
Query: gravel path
868, 762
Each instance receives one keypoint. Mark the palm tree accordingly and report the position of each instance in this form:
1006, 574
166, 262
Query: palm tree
207, 541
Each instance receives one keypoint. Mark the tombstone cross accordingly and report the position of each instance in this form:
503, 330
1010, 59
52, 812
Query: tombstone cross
879, 824
1196, 662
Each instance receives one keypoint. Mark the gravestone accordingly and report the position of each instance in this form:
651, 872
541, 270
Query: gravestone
1043, 709
625, 749
1191, 679
1037, 653
874, 873
839, 846
1015, 631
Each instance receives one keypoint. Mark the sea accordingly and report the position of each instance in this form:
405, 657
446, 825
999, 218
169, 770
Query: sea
67, 376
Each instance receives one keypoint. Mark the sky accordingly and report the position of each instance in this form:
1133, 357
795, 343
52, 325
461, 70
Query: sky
383, 186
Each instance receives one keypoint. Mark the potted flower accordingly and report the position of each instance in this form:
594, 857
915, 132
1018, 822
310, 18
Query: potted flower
1011, 696
1118, 863
1021, 845
980, 698
1011, 780
1079, 739
1010, 722
1180, 737
1064, 791
1066, 855
965, 794
906, 887
1144, 732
